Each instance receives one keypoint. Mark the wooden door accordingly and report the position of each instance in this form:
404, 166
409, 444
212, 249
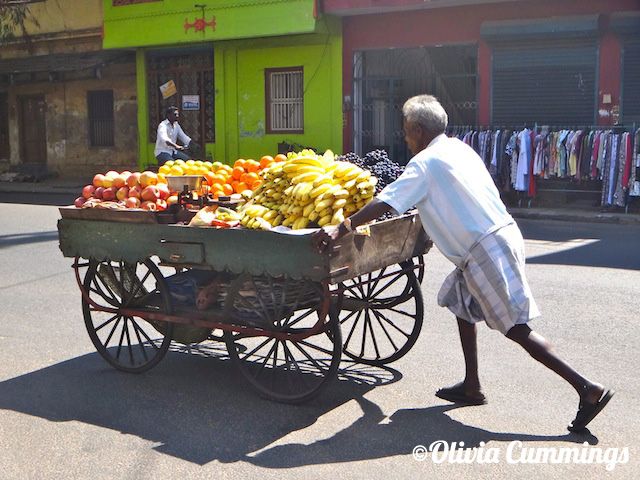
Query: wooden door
33, 134
4, 126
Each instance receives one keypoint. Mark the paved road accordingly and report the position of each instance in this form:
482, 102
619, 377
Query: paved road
65, 414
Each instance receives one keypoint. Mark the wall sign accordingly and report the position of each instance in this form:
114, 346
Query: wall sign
191, 102
168, 89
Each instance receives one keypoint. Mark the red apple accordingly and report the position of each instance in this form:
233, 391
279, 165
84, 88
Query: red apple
150, 193
132, 202
148, 178
98, 193
111, 174
135, 191
133, 179
109, 194
163, 188
161, 205
87, 191
79, 201
97, 180
122, 194
149, 205
119, 181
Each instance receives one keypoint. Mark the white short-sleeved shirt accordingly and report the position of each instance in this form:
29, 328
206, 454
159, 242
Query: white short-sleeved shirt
167, 131
456, 197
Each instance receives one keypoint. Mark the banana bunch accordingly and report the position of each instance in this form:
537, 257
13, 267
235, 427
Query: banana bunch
308, 190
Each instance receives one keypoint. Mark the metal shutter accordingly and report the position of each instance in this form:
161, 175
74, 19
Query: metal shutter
551, 83
631, 82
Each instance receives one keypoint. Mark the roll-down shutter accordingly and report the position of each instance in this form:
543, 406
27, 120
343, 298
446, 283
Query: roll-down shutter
544, 82
631, 82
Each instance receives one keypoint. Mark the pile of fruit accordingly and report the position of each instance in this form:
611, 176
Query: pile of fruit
149, 191
308, 190
146, 190
223, 179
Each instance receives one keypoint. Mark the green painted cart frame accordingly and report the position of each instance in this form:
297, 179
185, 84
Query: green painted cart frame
280, 305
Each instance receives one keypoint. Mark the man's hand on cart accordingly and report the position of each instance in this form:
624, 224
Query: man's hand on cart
324, 238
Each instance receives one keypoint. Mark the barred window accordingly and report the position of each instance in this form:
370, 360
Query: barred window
101, 123
284, 89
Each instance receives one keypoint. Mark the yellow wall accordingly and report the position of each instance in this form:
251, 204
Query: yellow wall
64, 15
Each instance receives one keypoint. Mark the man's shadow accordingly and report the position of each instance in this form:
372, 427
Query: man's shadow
374, 435
197, 408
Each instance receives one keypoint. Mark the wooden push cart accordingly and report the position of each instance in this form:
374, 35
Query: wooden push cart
285, 311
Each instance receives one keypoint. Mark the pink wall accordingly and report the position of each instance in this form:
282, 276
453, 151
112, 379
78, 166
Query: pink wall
462, 25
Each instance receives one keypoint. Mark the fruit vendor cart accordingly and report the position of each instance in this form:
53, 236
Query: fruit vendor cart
286, 312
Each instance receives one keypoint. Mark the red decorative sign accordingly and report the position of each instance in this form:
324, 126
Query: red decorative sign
199, 24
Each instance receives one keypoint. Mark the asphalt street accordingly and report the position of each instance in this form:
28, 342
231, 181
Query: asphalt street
64, 413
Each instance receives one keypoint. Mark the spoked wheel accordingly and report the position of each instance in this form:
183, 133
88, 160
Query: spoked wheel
381, 314
128, 343
284, 363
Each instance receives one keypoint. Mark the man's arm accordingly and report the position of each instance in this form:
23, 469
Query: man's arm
372, 210
183, 137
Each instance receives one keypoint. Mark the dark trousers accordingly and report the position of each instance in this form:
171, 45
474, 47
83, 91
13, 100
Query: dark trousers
164, 157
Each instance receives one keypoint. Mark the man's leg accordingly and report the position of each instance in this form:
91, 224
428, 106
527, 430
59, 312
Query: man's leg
468, 391
593, 396
163, 157
536, 346
178, 155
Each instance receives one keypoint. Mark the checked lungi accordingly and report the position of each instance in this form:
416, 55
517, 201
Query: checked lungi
491, 285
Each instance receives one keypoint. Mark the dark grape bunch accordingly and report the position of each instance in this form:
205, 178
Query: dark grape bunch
378, 162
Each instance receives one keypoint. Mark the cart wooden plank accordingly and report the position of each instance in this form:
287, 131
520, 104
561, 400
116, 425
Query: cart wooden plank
238, 250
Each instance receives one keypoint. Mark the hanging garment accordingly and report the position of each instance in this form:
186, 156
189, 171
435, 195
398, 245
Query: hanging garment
524, 155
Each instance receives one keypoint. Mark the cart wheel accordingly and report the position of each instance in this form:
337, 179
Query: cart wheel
285, 370
128, 343
381, 314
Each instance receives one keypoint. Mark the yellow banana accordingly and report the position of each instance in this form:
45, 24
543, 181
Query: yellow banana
324, 220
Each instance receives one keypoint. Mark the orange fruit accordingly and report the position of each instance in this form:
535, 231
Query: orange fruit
280, 158
227, 189
237, 173
209, 178
265, 161
240, 187
239, 163
256, 184
216, 187
250, 178
251, 165
218, 178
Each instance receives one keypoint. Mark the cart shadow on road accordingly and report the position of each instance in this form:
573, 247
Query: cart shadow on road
11, 240
190, 406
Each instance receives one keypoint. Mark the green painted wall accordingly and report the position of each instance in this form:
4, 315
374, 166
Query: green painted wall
241, 119
163, 22
239, 66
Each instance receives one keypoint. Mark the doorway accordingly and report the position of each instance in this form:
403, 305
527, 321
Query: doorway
33, 134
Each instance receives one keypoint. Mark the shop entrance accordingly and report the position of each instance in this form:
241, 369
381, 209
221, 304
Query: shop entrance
33, 136
4, 126
384, 79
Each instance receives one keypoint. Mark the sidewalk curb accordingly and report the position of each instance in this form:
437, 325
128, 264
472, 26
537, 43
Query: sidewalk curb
572, 216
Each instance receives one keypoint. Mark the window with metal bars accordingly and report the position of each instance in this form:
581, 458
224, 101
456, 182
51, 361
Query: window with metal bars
101, 122
284, 98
